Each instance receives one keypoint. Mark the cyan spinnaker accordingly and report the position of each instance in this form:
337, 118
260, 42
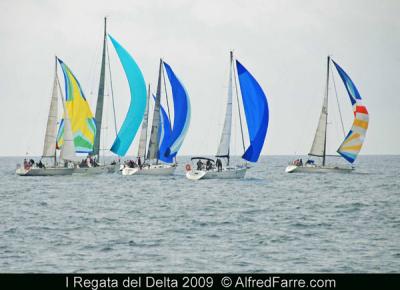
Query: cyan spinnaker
256, 110
82, 121
181, 113
353, 142
136, 109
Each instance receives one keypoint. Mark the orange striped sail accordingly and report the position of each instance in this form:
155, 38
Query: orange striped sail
354, 140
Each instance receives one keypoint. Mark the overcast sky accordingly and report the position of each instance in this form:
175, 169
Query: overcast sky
284, 44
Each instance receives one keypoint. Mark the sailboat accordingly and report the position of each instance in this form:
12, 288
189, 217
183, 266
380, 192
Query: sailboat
353, 141
257, 116
98, 166
165, 142
67, 154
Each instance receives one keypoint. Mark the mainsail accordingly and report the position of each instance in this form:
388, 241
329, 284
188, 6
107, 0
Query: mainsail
318, 148
82, 121
100, 96
49, 147
143, 133
256, 110
135, 113
224, 144
155, 127
353, 142
181, 113
319, 144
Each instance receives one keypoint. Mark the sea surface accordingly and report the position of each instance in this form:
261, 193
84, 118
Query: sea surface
268, 222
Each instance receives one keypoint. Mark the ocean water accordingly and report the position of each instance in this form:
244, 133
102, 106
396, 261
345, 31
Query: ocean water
268, 222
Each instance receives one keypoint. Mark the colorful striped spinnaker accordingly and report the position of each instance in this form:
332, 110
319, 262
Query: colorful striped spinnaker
82, 120
353, 142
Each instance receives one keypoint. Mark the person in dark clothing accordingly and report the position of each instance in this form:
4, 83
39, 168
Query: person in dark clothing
199, 165
139, 162
40, 164
219, 164
208, 165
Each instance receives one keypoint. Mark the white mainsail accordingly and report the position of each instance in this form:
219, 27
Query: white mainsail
223, 148
68, 148
49, 147
143, 133
154, 135
318, 146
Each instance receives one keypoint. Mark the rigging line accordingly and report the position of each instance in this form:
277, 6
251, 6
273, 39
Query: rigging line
93, 67
237, 100
166, 97
112, 90
337, 101
166, 93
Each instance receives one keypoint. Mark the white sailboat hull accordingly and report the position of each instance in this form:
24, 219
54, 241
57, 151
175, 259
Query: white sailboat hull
48, 171
226, 173
96, 170
153, 169
318, 169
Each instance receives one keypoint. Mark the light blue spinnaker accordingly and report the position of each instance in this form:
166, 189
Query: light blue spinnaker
181, 114
135, 113
256, 110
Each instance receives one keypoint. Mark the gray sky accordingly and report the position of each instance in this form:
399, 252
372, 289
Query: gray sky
284, 44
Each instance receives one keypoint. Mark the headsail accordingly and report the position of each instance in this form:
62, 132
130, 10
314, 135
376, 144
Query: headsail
143, 133
135, 113
49, 147
82, 121
68, 148
353, 142
256, 110
223, 148
181, 113
165, 137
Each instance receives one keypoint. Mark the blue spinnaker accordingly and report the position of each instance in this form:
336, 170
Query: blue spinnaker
164, 136
135, 113
354, 95
256, 110
181, 113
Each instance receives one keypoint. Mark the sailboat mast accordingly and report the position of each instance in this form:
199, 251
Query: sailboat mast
237, 100
326, 95
100, 96
56, 79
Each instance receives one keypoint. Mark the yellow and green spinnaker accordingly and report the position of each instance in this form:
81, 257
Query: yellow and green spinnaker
82, 120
